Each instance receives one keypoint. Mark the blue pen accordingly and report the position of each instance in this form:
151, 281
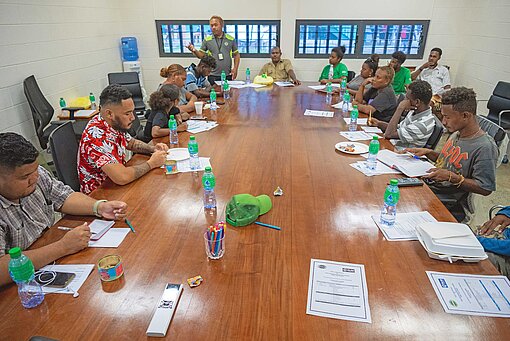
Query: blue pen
129, 224
267, 225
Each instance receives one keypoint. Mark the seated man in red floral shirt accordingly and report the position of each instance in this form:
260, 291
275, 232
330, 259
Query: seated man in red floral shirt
103, 144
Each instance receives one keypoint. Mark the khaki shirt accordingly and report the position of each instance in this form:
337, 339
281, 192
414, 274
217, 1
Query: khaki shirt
280, 72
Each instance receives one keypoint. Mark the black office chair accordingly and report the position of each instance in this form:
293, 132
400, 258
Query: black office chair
435, 137
350, 75
499, 105
64, 150
131, 81
137, 130
498, 134
42, 113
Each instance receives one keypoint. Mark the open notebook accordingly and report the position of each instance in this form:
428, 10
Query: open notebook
99, 227
405, 163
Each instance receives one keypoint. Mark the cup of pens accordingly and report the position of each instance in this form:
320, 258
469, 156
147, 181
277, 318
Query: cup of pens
214, 238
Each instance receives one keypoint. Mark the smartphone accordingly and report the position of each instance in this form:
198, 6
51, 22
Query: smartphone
408, 182
61, 280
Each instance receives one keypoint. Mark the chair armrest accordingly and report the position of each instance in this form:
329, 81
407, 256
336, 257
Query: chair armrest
482, 100
58, 123
500, 114
493, 208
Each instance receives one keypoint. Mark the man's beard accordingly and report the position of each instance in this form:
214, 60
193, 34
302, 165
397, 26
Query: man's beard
117, 126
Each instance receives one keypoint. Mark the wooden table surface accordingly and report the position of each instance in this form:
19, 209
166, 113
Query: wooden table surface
258, 290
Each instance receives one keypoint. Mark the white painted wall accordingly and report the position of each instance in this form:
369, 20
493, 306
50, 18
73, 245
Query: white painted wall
69, 46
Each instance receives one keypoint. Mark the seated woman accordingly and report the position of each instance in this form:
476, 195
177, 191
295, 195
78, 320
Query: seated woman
494, 235
335, 71
379, 100
175, 74
368, 70
162, 103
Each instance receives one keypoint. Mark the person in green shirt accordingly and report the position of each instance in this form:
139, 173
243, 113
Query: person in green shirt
402, 74
335, 70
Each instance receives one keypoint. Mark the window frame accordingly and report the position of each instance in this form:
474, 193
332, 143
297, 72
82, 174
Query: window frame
164, 54
360, 34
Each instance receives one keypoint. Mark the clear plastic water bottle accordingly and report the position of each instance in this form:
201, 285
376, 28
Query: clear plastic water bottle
343, 87
21, 271
93, 104
329, 92
212, 97
223, 78
353, 124
62, 103
209, 181
248, 75
194, 161
226, 90
172, 125
373, 149
345, 104
389, 209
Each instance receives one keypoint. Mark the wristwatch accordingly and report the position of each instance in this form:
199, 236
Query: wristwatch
96, 207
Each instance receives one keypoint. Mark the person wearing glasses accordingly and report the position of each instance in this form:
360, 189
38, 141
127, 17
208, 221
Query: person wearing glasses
29, 197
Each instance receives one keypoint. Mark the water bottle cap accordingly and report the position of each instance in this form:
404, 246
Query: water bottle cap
172, 117
192, 138
208, 169
375, 138
15, 252
355, 106
247, 69
61, 98
394, 182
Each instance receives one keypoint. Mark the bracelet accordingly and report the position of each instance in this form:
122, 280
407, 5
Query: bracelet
450, 176
460, 182
96, 207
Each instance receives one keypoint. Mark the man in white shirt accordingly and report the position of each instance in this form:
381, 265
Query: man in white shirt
436, 75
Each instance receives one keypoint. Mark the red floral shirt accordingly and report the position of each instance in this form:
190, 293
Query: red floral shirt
100, 145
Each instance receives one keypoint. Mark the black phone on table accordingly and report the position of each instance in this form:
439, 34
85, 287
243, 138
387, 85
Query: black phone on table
408, 182
59, 280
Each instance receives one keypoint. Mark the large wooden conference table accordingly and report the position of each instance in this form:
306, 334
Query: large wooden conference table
258, 290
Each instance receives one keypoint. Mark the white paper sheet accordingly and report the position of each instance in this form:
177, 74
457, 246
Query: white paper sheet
198, 126
405, 225
360, 121
380, 168
338, 290
84, 113
408, 165
234, 82
253, 85
183, 166
284, 84
472, 294
356, 135
319, 113
340, 104
112, 238
374, 130
317, 87
81, 272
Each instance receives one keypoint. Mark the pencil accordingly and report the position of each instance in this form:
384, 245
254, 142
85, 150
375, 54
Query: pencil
267, 225
129, 224
370, 115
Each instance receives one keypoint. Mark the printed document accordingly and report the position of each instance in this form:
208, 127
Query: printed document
112, 238
380, 168
319, 113
81, 272
405, 225
405, 163
472, 294
284, 84
356, 135
338, 290
359, 121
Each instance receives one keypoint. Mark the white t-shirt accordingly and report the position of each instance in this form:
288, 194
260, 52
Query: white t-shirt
438, 78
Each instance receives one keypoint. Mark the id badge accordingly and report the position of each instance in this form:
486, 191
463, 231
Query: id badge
220, 56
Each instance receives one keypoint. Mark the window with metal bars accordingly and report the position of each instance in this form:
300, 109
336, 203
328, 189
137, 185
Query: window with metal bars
254, 38
362, 38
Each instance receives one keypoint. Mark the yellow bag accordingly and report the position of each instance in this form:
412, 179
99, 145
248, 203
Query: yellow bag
263, 79
83, 102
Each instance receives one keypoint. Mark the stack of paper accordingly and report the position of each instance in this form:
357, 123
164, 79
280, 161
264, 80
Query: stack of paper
112, 238
405, 225
237, 83
183, 165
359, 121
373, 130
284, 83
405, 163
356, 135
317, 87
340, 104
196, 126
319, 113
81, 272
380, 168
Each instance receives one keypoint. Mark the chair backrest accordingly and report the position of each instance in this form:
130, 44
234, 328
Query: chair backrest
64, 149
131, 81
350, 75
499, 100
498, 134
42, 111
137, 130
435, 137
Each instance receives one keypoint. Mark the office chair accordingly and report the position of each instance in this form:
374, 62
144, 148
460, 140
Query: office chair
494, 209
350, 75
498, 134
42, 113
64, 150
131, 81
499, 105
137, 130
435, 137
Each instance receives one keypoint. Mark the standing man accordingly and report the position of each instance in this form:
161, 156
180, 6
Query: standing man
402, 76
436, 75
467, 162
222, 47
29, 197
278, 68
102, 152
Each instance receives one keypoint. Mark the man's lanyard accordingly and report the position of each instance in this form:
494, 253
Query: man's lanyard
221, 42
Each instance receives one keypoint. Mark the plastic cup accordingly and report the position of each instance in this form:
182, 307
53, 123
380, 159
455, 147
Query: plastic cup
215, 249
198, 108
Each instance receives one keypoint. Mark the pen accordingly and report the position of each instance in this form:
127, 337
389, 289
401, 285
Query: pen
63, 228
129, 224
267, 225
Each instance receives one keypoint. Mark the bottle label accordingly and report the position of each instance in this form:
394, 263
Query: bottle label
172, 125
354, 114
391, 198
193, 148
373, 148
209, 182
